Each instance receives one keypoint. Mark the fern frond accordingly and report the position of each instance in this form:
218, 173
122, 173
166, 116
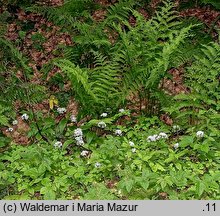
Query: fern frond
3, 118
78, 77
17, 57
63, 15
93, 87
203, 80
119, 12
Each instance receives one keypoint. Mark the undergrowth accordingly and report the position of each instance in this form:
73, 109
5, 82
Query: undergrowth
109, 149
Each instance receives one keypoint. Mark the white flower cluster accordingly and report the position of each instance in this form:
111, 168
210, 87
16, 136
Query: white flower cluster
73, 118
84, 153
97, 165
79, 140
200, 134
61, 110
131, 143
118, 132
121, 110
176, 145
78, 134
101, 124
133, 150
25, 116
58, 144
156, 137
9, 129
104, 115
152, 138
15, 122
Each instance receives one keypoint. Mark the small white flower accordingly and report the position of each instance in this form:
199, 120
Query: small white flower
118, 132
80, 143
73, 118
163, 135
15, 122
10, 129
84, 153
153, 138
58, 144
121, 110
101, 124
176, 145
131, 143
157, 137
61, 110
25, 116
176, 127
78, 132
79, 140
104, 115
97, 165
133, 150
200, 134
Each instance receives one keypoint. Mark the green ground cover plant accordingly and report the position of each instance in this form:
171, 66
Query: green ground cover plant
146, 91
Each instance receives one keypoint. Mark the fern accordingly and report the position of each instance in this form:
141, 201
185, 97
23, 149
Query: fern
214, 3
95, 88
203, 103
91, 35
16, 56
11, 86
146, 51
119, 12
3, 118
63, 15
138, 61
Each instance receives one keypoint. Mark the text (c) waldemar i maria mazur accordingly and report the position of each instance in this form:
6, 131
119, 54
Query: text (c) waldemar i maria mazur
80, 207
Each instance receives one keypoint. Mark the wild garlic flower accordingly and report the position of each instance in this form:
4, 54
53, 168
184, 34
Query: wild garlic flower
97, 165
152, 138
79, 141
61, 110
121, 110
156, 137
118, 132
131, 143
78, 132
84, 153
25, 116
15, 122
176, 145
73, 118
200, 134
104, 115
10, 129
133, 150
101, 124
58, 144
163, 135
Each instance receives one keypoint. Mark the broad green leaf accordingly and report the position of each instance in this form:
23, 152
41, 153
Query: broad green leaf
200, 188
129, 184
